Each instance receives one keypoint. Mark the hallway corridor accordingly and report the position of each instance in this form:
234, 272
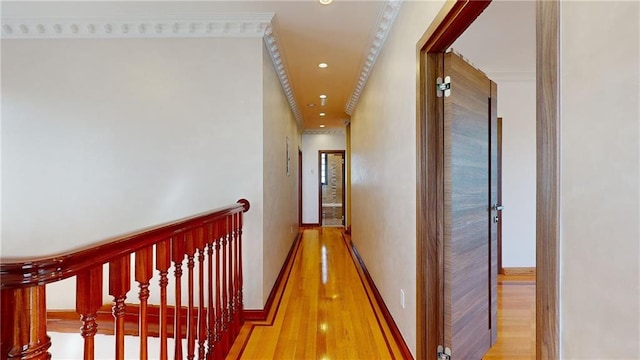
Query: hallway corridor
325, 309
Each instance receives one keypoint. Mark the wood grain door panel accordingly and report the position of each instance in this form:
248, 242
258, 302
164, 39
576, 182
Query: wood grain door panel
467, 231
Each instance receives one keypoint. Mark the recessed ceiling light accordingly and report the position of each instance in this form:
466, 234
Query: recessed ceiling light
325, 2
323, 96
322, 65
321, 125
322, 114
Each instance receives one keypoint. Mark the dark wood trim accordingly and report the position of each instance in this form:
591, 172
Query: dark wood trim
309, 225
451, 21
365, 276
548, 178
281, 280
68, 321
343, 153
528, 271
299, 187
500, 268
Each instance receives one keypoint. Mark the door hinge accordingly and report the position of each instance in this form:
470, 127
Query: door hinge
444, 353
443, 87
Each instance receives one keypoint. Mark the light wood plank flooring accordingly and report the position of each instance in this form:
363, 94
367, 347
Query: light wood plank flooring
325, 310
516, 319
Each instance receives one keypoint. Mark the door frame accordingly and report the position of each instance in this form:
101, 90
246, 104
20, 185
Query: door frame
499, 133
343, 153
299, 187
452, 20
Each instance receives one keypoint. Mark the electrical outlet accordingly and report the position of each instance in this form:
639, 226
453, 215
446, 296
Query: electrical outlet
402, 298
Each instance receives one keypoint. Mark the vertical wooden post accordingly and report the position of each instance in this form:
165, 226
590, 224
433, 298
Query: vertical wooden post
237, 322
240, 279
202, 325
212, 229
218, 289
191, 325
223, 288
119, 286
88, 301
163, 261
177, 254
24, 324
144, 272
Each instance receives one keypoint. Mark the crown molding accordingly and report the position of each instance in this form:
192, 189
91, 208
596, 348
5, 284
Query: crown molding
385, 21
215, 25
324, 132
273, 47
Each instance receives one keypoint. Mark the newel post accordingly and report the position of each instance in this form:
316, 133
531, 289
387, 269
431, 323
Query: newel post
24, 324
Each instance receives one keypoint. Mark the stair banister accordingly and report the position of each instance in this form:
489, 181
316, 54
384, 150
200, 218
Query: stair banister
208, 327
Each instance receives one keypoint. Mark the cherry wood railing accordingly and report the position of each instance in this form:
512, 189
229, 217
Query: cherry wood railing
209, 243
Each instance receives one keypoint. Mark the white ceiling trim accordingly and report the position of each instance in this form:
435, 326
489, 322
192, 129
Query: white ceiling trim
271, 41
383, 26
222, 25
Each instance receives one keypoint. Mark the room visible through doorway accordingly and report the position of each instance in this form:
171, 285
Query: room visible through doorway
331, 183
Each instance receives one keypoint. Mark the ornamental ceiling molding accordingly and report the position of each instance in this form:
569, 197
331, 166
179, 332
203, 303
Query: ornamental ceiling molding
324, 132
214, 25
384, 23
273, 47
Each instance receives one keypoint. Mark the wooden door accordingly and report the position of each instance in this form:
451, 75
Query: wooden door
470, 233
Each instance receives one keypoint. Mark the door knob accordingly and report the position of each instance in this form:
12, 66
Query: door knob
497, 207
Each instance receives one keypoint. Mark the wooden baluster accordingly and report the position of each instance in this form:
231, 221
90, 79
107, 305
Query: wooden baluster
177, 255
202, 314
163, 261
144, 272
211, 311
223, 288
24, 311
230, 282
190, 250
219, 333
119, 286
240, 279
88, 301
236, 276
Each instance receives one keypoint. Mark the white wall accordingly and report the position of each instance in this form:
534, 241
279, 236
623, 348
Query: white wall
383, 182
517, 107
311, 144
600, 158
280, 188
101, 137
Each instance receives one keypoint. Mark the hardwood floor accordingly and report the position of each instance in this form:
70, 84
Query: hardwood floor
516, 319
325, 310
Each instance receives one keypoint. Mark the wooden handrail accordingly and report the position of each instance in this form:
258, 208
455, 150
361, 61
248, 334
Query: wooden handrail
212, 323
22, 272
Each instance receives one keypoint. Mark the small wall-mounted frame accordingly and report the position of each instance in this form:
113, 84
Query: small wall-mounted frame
288, 159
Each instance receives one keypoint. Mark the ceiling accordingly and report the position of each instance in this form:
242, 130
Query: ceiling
340, 34
510, 26
346, 34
